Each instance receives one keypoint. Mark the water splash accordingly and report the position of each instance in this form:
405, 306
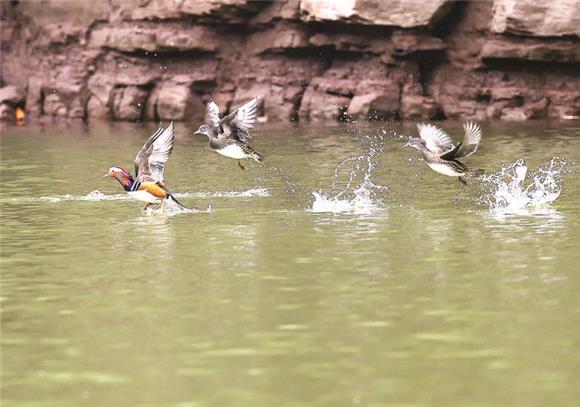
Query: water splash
259, 192
172, 208
94, 195
513, 189
97, 195
292, 187
359, 193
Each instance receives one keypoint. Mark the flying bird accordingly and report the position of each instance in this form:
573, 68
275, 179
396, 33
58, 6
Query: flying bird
442, 155
230, 135
148, 185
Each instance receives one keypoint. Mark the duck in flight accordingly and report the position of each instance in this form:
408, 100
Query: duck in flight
148, 185
230, 135
442, 155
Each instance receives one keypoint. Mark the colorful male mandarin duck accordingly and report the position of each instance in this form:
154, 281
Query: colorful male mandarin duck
441, 154
230, 135
148, 185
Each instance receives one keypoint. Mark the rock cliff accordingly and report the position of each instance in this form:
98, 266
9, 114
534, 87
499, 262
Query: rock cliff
310, 60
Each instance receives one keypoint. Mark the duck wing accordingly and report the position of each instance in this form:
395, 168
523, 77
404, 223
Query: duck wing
213, 111
150, 160
436, 140
240, 121
470, 142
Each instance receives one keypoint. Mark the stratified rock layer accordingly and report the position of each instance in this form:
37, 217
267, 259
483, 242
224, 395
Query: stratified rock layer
309, 60
536, 18
399, 13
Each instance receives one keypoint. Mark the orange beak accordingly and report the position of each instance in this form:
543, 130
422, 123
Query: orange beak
106, 175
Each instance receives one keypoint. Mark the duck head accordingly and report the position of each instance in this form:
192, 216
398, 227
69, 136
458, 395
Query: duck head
120, 174
416, 142
205, 130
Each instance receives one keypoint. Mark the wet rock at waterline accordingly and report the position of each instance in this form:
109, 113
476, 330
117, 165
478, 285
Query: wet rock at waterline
10, 98
12, 95
309, 60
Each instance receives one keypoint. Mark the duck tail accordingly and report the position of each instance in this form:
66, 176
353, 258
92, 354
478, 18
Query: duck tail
475, 172
257, 157
170, 196
174, 199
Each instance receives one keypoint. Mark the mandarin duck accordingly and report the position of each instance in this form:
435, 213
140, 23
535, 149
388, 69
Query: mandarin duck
148, 184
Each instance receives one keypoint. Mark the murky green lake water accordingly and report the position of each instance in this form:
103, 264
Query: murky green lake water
405, 289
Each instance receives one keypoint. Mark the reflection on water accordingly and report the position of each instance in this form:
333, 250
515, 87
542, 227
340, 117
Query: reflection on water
154, 231
403, 289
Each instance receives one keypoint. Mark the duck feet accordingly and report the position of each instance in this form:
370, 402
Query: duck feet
146, 206
240, 165
163, 206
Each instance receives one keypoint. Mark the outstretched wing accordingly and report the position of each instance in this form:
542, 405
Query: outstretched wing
150, 160
213, 111
435, 139
470, 141
142, 157
469, 144
242, 120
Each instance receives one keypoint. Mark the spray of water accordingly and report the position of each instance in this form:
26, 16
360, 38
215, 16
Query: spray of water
258, 192
513, 189
359, 193
97, 195
172, 208
291, 186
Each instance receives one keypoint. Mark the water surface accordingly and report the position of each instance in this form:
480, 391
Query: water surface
401, 287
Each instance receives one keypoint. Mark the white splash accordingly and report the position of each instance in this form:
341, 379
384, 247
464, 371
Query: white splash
513, 189
360, 195
94, 195
172, 208
259, 192
97, 195
360, 204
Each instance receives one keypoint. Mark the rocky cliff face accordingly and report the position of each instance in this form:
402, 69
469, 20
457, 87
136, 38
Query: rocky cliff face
308, 59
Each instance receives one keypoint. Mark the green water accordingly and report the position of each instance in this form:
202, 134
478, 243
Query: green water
422, 297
